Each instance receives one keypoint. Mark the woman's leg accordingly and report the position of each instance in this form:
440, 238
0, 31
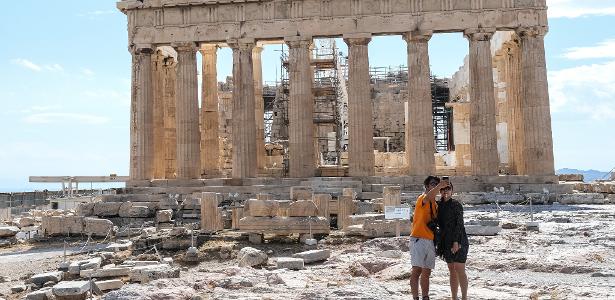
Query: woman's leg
462, 278
452, 278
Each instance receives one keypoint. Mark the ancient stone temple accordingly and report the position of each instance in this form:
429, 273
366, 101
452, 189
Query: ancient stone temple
173, 137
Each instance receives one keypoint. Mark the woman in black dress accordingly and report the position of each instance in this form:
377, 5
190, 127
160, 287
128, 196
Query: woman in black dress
453, 246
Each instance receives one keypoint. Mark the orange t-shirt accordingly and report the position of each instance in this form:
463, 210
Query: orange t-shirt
422, 216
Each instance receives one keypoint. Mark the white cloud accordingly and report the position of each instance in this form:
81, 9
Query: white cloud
586, 89
27, 64
580, 8
73, 118
605, 49
36, 67
87, 72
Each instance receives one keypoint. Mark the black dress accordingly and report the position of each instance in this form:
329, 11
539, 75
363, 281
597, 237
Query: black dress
450, 221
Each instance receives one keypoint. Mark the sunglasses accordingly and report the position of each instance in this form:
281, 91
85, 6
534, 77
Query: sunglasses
446, 189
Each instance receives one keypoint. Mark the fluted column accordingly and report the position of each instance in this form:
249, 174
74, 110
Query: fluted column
187, 113
210, 150
360, 127
158, 115
259, 112
513, 99
244, 123
170, 124
300, 109
420, 144
141, 117
538, 139
483, 134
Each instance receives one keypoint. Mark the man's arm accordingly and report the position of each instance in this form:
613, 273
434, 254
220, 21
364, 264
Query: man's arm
431, 194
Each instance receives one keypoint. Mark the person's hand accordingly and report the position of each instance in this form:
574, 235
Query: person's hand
455, 247
443, 184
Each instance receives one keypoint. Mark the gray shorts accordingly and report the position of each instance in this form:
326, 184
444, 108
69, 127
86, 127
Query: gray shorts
422, 253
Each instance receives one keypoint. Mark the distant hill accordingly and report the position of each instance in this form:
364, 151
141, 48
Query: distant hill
588, 175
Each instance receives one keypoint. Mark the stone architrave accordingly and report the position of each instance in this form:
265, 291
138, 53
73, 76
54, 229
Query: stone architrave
420, 144
142, 114
259, 111
360, 114
243, 123
483, 134
210, 148
187, 113
300, 108
536, 115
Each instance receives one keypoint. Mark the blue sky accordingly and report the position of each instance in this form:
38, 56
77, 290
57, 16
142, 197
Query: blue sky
65, 85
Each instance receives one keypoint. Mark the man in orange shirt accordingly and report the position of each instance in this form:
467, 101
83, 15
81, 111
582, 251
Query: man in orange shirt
422, 250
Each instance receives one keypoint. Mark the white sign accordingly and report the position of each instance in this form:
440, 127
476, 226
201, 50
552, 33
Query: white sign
397, 212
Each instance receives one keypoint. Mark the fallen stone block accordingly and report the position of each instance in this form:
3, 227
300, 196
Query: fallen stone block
119, 246
98, 227
570, 177
135, 211
18, 288
106, 273
312, 256
482, 230
146, 274
302, 208
396, 272
137, 263
42, 294
261, 208
290, 263
301, 193
581, 198
164, 216
40, 279
75, 268
71, 290
471, 198
8, 231
26, 222
109, 285
251, 257
61, 225
85, 209
107, 209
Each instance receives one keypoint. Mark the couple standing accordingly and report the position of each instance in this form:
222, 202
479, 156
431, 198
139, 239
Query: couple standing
452, 242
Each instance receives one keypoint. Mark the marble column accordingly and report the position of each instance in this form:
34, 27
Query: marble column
513, 99
420, 144
259, 112
300, 108
536, 114
158, 115
187, 113
483, 134
141, 117
360, 115
210, 149
243, 123
170, 124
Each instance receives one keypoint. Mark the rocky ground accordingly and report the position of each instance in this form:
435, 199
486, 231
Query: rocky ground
569, 257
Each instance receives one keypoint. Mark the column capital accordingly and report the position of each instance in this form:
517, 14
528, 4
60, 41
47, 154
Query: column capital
184, 47
534, 31
141, 49
241, 44
353, 39
298, 41
208, 48
479, 34
418, 36
258, 49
